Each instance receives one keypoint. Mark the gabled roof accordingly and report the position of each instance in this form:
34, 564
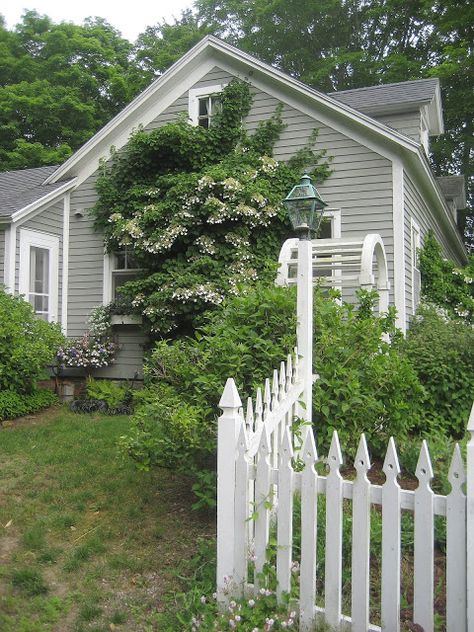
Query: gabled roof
454, 189
397, 97
19, 189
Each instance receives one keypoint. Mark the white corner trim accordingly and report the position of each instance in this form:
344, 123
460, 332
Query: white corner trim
107, 286
65, 267
43, 201
193, 99
34, 238
398, 214
10, 255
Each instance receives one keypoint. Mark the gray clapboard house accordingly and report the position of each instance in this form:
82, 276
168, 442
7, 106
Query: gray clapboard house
381, 182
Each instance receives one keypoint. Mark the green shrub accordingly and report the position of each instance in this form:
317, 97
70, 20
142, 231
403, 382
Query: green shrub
30, 581
14, 405
107, 391
442, 352
27, 344
366, 385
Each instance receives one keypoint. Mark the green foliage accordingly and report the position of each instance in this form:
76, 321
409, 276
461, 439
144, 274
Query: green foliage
108, 391
27, 344
29, 581
13, 404
442, 352
445, 284
366, 384
200, 209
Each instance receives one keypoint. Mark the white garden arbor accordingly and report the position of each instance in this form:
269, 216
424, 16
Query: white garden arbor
344, 264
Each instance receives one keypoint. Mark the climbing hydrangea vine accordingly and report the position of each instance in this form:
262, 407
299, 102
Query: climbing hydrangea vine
200, 209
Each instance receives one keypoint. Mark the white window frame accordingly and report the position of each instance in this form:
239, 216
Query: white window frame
415, 244
110, 268
334, 214
33, 239
198, 93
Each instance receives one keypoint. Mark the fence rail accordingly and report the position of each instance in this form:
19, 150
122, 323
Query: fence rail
266, 478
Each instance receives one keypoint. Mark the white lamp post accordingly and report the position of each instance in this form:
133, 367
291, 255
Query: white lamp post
305, 210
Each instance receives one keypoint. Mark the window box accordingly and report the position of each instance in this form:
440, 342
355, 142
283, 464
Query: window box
126, 319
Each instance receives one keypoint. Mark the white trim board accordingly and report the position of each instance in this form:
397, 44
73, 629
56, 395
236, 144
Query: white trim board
398, 216
65, 266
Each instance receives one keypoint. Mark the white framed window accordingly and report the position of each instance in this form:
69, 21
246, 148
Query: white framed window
39, 272
330, 228
119, 268
203, 103
415, 270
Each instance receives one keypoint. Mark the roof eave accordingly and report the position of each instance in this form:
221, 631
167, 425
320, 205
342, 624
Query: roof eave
42, 201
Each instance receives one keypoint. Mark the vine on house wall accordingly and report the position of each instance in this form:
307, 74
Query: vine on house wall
200, 209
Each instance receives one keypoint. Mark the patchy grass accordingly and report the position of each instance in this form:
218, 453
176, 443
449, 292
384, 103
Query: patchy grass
86, 541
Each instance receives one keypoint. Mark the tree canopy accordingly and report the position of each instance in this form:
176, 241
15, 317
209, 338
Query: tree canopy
59, 83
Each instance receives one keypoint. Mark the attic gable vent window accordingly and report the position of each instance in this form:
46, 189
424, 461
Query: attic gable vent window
203, 104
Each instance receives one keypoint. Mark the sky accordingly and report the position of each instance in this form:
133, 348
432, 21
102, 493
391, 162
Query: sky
130, 18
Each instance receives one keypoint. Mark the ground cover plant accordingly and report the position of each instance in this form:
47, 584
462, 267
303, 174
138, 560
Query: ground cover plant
199, 209
87, 542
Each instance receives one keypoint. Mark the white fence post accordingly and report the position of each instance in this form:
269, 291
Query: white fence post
227, 436
470, 522
304, 313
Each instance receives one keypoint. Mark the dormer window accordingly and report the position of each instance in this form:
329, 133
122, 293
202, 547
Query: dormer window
203, 104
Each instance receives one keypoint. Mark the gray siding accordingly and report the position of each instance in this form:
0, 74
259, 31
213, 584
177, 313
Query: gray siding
2, 256
129, 358
408, 123
49, 221
417, 209
86, 260
361, 182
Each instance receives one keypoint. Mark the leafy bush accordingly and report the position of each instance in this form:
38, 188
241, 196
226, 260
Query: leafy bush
27, 344
108, 391
441, 350
365, 385
445, 284
14, 404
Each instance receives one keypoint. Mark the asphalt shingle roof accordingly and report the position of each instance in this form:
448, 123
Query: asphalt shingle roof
20, 188
390, 96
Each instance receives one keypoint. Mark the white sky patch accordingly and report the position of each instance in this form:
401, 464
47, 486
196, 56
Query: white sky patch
129, 18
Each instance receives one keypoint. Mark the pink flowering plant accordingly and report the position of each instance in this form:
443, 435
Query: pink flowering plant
94, 350
199, 209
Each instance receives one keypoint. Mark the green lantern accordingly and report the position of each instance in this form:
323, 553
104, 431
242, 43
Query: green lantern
305, 207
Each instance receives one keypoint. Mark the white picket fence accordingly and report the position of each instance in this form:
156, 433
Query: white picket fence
257, 483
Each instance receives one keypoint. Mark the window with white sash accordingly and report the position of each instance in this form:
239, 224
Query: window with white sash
39, 272
203, 104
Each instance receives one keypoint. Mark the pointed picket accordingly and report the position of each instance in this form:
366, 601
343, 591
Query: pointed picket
241, 510
267, 399
309, 500
263, 504
334, 517
424, 543
289, 371
361, 540
296, 365
456, 606
275, 389
249, 417
285, 517
391, 550
258, 410
282, 378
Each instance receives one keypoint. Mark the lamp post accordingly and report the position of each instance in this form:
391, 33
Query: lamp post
305, 210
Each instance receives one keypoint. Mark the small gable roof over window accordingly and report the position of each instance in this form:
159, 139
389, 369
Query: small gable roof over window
397, 97
18, 189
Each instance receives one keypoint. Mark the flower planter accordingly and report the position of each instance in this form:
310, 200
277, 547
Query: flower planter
126, 319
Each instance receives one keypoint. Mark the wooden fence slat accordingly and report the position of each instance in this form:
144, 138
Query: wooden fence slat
309, 514
361, 540
241, 511
424, 543
334, 517
456, 589
285, 517
263, 504
391, 550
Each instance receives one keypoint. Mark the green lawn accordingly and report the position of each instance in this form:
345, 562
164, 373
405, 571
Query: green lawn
86, 541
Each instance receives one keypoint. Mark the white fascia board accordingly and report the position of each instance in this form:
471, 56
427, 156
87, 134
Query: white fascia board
10, 258
65, 263
140, 112
175, 82
419, 166
37, 205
